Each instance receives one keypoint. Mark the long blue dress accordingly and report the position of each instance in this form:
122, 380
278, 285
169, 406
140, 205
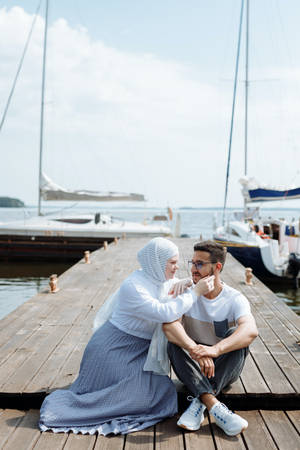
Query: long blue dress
112, 393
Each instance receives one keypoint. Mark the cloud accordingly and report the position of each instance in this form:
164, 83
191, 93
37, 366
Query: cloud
115, 120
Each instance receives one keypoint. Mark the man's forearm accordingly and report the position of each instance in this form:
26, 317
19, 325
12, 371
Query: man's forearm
176, 334
240, 338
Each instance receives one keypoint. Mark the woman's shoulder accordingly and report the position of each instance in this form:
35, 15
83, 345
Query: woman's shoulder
136, 281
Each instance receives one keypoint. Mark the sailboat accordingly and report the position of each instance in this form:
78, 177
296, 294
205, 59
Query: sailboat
66, 236
271, 247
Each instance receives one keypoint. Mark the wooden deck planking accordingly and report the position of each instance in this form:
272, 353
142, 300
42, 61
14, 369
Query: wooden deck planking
294, 417
110, 443
45, 352
273, 375
267, 429
9, 421
257, 435
67, 308
141, 439
282, 430
15, 377
26, 433
80, 442
252, 379
51, 441
168, 436
281, 352
202, 439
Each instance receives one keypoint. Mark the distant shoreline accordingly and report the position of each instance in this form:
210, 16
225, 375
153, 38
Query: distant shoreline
8, 202
142, 208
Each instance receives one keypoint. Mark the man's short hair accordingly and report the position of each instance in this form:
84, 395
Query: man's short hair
217, 251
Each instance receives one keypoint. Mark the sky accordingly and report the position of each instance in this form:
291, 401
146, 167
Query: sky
139, 98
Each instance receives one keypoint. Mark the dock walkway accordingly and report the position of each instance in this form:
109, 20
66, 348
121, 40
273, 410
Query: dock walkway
268, 430
41, 344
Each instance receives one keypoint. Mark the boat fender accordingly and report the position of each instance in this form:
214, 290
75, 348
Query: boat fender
262, 235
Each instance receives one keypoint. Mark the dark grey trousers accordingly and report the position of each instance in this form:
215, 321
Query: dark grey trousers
228, 368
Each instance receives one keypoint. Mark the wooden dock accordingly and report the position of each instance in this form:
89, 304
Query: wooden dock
41, 344
267, 430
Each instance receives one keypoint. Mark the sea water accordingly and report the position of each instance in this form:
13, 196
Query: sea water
21, 281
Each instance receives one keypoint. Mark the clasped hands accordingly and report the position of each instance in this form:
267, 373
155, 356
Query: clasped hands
204, 355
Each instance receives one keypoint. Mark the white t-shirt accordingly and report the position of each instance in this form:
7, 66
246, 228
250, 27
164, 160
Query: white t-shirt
207, 321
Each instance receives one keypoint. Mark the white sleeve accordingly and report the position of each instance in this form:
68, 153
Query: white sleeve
241, 307
136, 300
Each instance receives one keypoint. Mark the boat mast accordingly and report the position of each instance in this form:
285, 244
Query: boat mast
233, 108
42, 106
246, 100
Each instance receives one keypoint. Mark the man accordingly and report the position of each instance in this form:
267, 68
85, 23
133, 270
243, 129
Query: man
208, 347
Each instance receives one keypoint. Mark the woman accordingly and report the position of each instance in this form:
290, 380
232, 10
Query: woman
113, 392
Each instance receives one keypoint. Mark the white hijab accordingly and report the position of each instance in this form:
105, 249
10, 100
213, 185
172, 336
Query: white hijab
153, 260
154, 256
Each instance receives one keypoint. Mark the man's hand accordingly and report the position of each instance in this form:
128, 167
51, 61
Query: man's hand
179, 287
207, 366
204, 351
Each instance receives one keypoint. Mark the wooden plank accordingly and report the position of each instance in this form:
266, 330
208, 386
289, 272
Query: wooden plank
19, 339
252, 378
294, 417
51, 441
236, 388
168, 435
26, 434
142, 439
9, 421
281, 429
80, 442
70, 369
196, 440
44, 377
272, 374
287, 364
110, 443
257, 435
32, 359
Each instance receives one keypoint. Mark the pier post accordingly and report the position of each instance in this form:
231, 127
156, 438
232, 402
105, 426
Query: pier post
53, 284
87, 257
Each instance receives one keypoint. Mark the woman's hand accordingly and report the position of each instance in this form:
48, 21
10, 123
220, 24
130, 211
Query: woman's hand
204, 286
179, 287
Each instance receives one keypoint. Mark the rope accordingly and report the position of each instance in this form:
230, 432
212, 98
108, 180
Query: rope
19, 67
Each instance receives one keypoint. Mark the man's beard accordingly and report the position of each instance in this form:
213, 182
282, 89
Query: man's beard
199, 277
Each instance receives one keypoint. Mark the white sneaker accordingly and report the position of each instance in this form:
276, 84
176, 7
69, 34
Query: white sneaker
192, 418
231, 423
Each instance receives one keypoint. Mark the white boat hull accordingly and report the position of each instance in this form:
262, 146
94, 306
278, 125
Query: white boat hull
67, 238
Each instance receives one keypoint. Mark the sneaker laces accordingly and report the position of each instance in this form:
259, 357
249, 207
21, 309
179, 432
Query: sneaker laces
222, 411
194, 408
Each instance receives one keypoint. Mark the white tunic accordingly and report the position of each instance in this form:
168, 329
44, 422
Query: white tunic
140, 305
